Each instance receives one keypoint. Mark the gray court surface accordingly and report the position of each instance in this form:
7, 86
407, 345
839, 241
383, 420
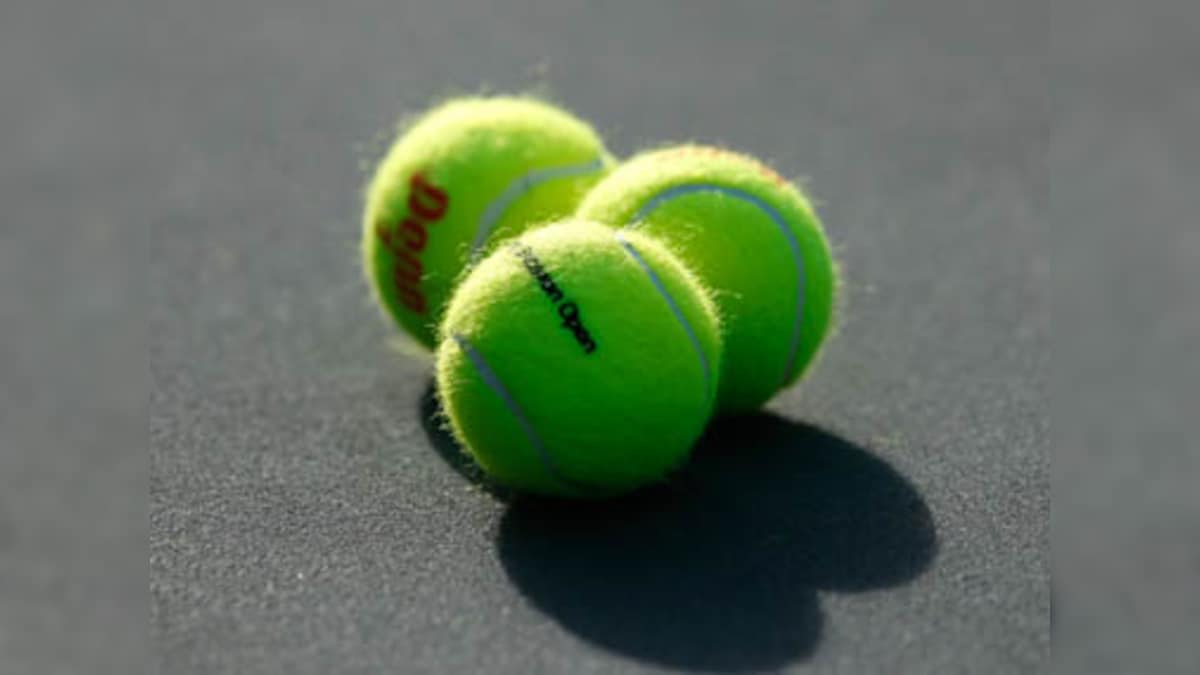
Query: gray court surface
889, 515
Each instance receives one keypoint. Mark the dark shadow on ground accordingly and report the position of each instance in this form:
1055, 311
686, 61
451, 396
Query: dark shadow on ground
719, 569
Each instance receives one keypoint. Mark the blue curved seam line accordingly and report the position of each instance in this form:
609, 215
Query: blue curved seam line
524, 183
495, 384
797, 259
675, 309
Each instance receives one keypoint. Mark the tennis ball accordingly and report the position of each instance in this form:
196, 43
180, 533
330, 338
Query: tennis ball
755, 241
466, 174
579, 361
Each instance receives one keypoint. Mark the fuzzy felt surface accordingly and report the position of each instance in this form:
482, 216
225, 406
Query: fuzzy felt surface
577, 360
752, 237
464, 175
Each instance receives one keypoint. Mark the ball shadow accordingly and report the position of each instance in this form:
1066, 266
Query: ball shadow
719, 569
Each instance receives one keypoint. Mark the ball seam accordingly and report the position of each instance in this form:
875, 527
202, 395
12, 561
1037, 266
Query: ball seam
676, 310
493, 381
515, 190
797, 256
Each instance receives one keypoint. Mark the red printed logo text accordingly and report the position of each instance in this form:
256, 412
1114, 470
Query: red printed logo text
427, 205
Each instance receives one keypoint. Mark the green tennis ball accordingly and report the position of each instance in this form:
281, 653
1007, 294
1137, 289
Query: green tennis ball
755, 241
579, 361
466, 174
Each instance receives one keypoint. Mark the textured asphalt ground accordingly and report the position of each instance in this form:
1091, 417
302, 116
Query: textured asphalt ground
892, 514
